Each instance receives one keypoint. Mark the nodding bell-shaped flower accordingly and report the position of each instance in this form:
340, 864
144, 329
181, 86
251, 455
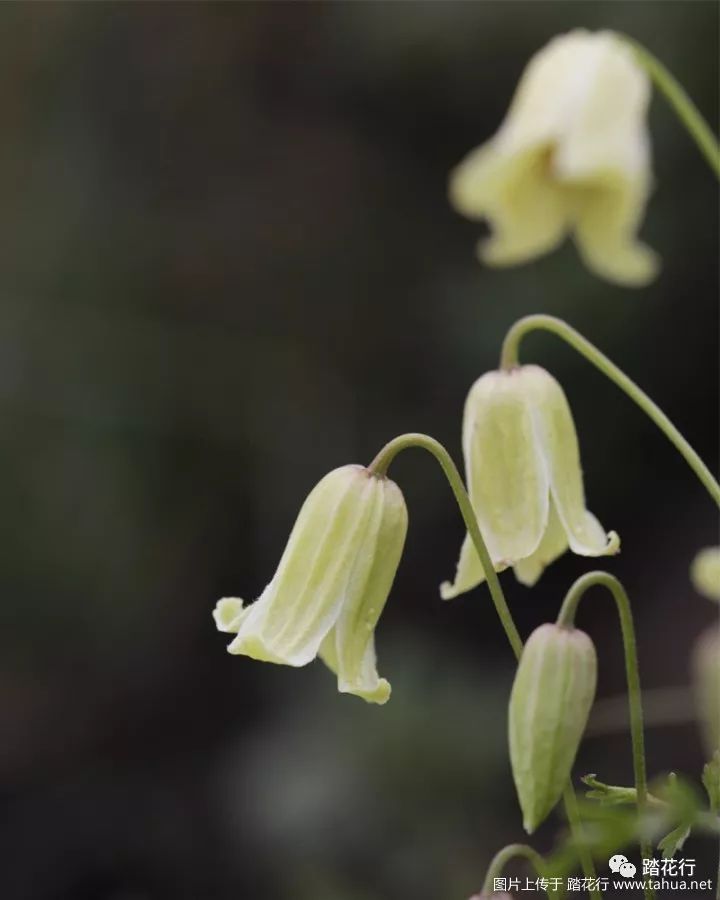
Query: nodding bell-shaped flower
571, 158
331, 585
522, 466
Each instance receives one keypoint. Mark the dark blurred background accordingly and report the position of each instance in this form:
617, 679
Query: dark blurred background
227, 266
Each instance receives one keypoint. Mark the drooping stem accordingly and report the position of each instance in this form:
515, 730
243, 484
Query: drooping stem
379, 466
566, 618
509, 359
504, 856
678, 98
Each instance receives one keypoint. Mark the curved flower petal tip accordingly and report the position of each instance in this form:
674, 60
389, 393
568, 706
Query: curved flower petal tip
469, 572
524, 479
331, 584
228, 614
705, 573
572, 158
363, 682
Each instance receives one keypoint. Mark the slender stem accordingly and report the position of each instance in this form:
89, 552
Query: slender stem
509, 359
573, 816
566, 617
380, 465
680, 101
503, 857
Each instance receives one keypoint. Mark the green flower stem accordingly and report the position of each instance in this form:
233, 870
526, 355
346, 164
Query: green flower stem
576, 829
509, 359
566, 618
380, 465
504, 856
682, 105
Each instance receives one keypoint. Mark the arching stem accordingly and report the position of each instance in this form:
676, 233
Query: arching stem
509, 359
566, 618
681, 103
504, 856
379, 466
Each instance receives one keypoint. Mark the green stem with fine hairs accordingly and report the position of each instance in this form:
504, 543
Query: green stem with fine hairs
503, 857
566, 618
681, 103
379, 467
510, 356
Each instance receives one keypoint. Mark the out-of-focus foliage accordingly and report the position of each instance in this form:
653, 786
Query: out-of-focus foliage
228, 265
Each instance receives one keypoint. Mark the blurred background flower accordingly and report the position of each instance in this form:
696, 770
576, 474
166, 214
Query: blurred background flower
221, 217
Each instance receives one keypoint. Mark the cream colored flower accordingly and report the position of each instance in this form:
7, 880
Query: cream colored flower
331, 584
705, 573
522, 466
571, 158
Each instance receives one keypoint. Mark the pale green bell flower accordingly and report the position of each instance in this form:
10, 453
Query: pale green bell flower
705, 573
331, 584
522, 466
572, 157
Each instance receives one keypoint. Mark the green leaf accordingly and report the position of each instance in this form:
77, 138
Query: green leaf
672, 842
612, 794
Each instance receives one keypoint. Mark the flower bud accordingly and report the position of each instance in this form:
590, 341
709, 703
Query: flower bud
331, 584
706, 686
522, 466
550, 702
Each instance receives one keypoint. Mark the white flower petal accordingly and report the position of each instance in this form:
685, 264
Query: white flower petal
559, 445
365, 681
469, 573
553, 545
506, 473
528, 214
301, 604
229, 613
